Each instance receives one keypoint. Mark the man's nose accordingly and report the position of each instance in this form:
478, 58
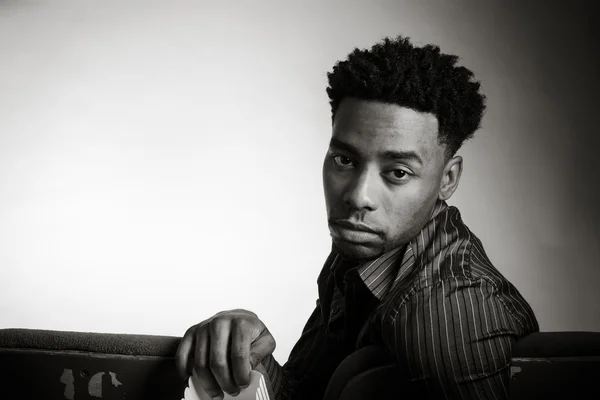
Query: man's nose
360, 193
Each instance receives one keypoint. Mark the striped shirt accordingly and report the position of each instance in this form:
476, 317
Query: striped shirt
438, 305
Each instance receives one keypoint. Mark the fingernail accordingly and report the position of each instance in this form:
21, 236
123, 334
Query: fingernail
244, 386
235, 393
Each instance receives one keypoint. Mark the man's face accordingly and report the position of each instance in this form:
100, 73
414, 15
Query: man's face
382, 176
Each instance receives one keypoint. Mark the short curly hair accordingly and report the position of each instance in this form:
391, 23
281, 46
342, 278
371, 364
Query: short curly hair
421, 78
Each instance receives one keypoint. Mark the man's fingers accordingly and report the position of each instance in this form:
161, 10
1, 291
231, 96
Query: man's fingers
223, 350
209, 383
202, 365
241, 338
220, 336
261, 347
183, 356
201, 349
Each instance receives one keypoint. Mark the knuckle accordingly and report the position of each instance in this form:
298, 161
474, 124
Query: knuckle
201, 352
255, 357
190, 332
241, 324
244, 313
201, 364
199, 330
239, 355
217, 364
215, 326
271, 343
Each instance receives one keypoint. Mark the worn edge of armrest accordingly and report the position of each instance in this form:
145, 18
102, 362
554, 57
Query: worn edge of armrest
84, 354
552, 344
595, 359
90, 342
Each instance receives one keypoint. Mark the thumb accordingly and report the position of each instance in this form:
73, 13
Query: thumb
261, 347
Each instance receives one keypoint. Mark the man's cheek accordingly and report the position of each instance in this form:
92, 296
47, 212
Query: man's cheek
333, 187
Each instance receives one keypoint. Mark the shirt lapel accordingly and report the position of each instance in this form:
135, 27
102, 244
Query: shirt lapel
381, 274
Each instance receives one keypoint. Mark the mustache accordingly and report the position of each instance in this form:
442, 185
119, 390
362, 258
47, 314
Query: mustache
354, 225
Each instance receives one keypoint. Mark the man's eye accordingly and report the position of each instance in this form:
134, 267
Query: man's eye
398, 174
342, 161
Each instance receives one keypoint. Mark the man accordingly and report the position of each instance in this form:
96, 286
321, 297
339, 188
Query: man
405, 273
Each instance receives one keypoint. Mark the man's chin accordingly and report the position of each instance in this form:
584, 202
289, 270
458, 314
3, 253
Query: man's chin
359, 252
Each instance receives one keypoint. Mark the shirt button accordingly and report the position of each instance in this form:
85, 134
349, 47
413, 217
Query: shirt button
335, 310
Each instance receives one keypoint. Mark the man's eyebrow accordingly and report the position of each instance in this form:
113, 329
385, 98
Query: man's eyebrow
389, 154
337, 143
402, 155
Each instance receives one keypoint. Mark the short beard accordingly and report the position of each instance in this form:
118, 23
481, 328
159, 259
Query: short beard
358, 256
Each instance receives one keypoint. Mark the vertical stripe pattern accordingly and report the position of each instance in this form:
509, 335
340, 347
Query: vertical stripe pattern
445, 313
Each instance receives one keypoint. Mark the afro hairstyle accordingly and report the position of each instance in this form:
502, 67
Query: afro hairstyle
420, 78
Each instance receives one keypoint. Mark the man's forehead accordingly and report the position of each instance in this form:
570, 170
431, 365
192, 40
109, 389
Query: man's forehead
384, 115
372, 126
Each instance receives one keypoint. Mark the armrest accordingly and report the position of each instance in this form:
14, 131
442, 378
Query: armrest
558, 344
556, 365
53, 365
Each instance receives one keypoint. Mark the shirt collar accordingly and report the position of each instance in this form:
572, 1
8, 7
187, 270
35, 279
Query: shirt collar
380, 274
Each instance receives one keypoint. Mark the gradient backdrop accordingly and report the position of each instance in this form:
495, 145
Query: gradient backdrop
161, 161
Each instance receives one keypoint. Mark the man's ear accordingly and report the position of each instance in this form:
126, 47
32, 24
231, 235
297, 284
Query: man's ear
450, 177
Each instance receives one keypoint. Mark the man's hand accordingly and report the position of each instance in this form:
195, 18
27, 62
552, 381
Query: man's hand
223, 350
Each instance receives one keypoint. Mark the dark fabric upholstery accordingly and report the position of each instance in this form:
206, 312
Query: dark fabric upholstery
558, 344
106, 343
75, 365
545, 365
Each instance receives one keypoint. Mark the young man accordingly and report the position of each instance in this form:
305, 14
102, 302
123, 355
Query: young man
405, 273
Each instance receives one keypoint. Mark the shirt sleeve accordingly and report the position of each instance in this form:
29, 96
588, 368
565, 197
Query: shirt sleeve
301, 377
453, 340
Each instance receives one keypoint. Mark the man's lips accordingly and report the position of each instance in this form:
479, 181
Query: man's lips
355, 232
354, 226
